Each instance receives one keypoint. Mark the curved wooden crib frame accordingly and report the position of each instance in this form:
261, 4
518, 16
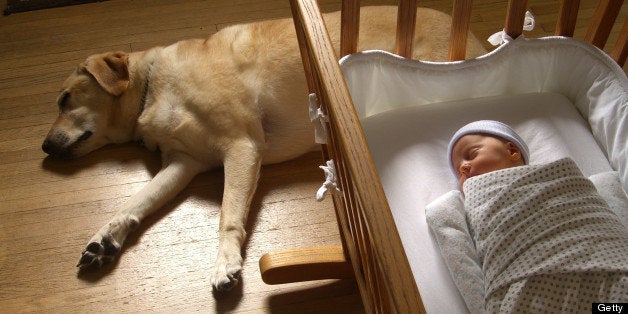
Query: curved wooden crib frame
371, 249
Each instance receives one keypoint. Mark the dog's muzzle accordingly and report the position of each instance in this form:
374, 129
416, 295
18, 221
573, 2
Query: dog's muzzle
57, 145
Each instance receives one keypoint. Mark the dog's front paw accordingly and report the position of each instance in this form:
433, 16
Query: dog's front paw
226, 273
99, 251
107, 243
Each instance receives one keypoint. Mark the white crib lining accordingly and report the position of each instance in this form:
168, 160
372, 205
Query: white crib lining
541, 87
410, 156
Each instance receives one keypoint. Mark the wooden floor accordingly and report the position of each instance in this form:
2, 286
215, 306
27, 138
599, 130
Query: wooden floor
49, 209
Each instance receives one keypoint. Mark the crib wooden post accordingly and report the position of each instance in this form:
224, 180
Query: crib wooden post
567, 18
406, 20
461, 17
602, 22
515, 17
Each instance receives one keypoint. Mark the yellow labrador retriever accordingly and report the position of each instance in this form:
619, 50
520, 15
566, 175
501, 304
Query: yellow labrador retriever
235, 99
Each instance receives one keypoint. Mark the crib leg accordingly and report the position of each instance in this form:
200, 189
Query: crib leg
305, 264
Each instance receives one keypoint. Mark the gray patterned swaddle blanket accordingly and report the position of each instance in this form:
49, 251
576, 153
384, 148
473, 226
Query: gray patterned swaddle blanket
546, 240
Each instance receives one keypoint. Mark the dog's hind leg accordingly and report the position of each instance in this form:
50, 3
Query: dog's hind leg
242, 164
104, 246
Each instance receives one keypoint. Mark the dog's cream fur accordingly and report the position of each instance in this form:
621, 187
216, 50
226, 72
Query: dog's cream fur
236, 99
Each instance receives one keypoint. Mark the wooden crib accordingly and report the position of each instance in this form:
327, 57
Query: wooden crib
371, 248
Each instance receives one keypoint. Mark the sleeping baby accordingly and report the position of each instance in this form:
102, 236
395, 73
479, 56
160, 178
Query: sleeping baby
484, 146
545, 240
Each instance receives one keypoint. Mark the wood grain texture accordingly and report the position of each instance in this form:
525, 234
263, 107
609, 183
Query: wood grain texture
602, 22
49, 209
567, 17
461, 18
350, 27
620, 50
406, 20
305, 264
515, 15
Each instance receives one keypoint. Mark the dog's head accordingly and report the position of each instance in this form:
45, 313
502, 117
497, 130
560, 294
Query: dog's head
88, 106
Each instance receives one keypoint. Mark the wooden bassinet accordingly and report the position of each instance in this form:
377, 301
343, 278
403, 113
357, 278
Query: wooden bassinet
372, 249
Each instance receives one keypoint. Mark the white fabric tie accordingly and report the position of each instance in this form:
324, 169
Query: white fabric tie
330, 183
501, 37
318, 118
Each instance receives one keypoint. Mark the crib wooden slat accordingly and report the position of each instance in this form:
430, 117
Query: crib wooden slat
515, 17
350, 27
567, 17
461, 17
406, 20
620, 51
602, 22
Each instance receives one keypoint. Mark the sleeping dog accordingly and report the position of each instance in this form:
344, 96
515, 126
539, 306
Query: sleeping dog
235, 99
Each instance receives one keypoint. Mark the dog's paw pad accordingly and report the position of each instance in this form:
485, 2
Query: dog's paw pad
96, 254
110, 247
226, 280
227, 283
89, 261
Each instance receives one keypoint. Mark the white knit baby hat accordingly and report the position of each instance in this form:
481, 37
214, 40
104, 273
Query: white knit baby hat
491, 127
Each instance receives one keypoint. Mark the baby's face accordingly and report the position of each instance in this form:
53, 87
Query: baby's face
477, 154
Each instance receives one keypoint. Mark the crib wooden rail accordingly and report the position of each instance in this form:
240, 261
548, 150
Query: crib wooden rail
371, 245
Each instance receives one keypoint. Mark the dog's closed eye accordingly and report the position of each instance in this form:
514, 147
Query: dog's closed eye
85, 135
63, 101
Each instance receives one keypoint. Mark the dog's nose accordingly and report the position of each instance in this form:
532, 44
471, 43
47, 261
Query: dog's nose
52, 149
47, 147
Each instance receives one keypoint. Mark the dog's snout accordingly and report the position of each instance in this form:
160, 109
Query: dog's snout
60, 145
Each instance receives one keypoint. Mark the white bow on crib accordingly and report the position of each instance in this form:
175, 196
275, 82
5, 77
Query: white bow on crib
318, 118
330, 180
501, 37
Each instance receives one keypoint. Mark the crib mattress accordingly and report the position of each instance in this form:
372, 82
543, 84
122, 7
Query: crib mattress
408, 128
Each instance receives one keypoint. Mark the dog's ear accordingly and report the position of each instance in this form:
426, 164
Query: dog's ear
110, 70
